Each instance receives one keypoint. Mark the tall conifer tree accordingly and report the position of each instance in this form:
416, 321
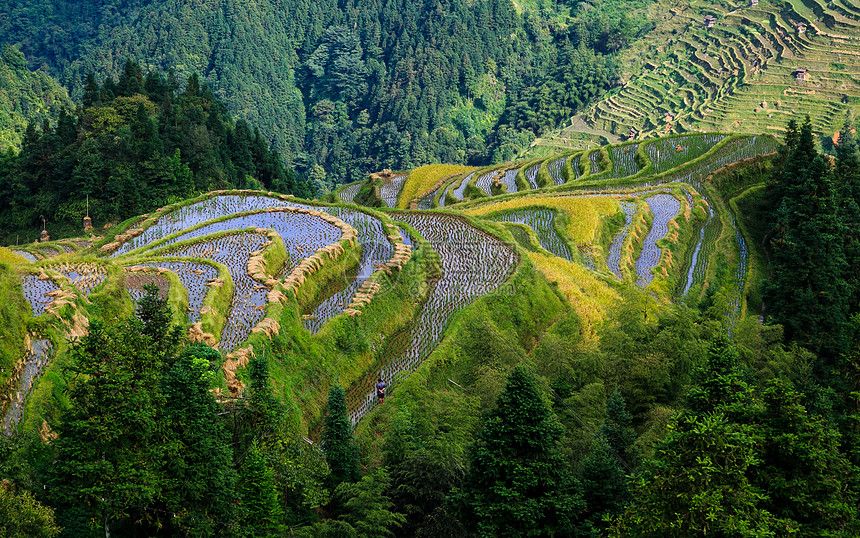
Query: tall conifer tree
808, 292
518, 482
604, 471
201, 482
341, 452
112, 442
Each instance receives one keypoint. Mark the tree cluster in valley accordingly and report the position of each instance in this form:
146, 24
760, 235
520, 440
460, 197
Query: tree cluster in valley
133, 145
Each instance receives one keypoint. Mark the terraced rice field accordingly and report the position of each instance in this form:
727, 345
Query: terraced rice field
426, 201
473, 264
391, 189
574, 165
623, 160
444, 197
542, 221
195, 277
485, 182
249, 297
665, 159
376, 249
668, 153
733, 151
509, 180
229, 229
521, 236
742, 74
427, 181
37, 358
54, 249
85, 277
40, 290
664, 207
740, 275
348, 193
554, 168
135, 282
696, 270
26, 255
302, 233
594, 158
193, 215
458, 192
613, 260
531, 175
49, 252
36, 292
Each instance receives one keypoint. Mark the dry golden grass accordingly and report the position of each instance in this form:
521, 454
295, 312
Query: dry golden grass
422, 178
589, 296
585, 214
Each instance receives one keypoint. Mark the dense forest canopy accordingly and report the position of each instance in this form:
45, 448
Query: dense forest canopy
343, 89
25, 97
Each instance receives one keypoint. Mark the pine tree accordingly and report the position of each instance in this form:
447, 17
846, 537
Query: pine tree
144, 136
263, 416
698, 481
341, 452
157, 320
805, 477
733, 465
847, 178
91, 95
721, 386
129, 200
698, 484
113, 441
419, 490
368, 507
604, 470
808, 292
183, 178
518, 482
130, 80
617, 430
260, 508
605, 488
66, 129
202, 482
110, 445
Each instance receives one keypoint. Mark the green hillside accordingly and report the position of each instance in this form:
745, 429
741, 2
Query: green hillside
743, 74
26, 97
598, 285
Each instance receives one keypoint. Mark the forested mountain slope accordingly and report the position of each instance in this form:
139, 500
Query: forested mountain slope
25, 97
342, 89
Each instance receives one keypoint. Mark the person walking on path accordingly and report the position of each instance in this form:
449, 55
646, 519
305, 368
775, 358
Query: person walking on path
380, 390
